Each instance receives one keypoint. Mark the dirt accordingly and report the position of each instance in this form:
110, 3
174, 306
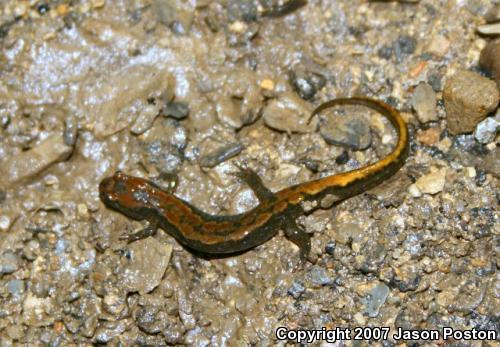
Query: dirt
186, 92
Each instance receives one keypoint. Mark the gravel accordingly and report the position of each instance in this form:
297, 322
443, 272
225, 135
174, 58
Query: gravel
154, 88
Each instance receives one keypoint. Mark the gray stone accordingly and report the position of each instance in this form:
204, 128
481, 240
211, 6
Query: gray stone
349, 131
9, 263
375, 299
487, 129
319, 276
15, 287
424, 103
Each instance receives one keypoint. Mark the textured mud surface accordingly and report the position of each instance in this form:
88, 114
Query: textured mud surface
194, 89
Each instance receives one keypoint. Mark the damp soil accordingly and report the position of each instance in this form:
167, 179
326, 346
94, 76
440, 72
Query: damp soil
185, 93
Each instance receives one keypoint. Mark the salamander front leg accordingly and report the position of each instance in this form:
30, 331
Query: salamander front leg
148, 231
255, 183
298, 236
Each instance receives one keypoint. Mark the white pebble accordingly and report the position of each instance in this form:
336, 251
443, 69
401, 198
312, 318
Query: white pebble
433, 182
4, 223
414, 191
471, 172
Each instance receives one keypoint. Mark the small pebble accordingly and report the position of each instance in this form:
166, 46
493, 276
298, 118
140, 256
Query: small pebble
4, 223
468, 98
330, 247
375, 299
171, 14
385, 52
9, 263
144, 120
289, 113
82, 210
487, 129
424, 103
433, 182
414, 191
434, 81
491, 163
319, 276
238, 26
98, 3
108, 330
489, 29
438, 46
221, 154
429, 136
267, 84
148, 261
43, 8
490, 59
15, 287
348, 130
445, 144
306, 83
342, 158
176, 109
113, 303
471, 172
296, 289
230, 112
359, 319
403, 46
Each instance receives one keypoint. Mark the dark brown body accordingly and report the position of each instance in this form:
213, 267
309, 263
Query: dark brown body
211, 234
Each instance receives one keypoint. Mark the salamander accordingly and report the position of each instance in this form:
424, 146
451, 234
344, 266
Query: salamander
141, 199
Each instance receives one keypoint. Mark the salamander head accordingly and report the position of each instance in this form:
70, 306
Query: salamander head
126, 194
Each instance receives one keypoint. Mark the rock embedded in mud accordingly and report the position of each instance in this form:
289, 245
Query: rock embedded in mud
289, 113
32, 162
348, 130
148, 261
424, 103
176, 109
468, 98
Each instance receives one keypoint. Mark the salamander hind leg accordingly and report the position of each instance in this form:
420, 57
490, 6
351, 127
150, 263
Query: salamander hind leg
255, 183
298, 236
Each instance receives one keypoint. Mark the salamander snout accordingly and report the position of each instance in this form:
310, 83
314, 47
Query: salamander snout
111, 188
106, 190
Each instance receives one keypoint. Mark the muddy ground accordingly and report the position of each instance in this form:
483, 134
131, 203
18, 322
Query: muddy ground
186, 92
